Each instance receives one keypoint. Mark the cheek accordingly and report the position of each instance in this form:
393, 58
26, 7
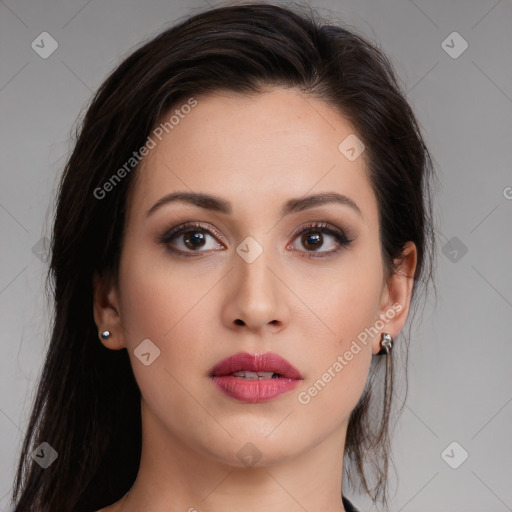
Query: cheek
348, 303
158, 295
339, 365
161, 304
347, 298
164, 302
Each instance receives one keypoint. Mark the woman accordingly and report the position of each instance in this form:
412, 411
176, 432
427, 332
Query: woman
247, 212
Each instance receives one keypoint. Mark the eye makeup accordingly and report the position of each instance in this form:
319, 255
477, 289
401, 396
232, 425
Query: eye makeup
196, 234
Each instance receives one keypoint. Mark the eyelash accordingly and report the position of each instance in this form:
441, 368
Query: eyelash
315, 227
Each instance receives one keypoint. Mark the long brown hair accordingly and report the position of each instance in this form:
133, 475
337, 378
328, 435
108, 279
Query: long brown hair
87, 406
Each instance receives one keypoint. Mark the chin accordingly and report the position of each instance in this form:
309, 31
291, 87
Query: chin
256, 451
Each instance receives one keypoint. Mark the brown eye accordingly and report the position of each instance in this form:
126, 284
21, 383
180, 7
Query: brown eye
187, 239
312, 241
314, 238
193, 240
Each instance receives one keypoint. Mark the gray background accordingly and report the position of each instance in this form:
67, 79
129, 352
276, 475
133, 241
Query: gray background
460, 382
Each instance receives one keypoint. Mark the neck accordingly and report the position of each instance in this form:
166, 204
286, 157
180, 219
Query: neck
173, 476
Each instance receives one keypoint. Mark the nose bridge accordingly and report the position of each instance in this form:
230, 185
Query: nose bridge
257, 295
253, 268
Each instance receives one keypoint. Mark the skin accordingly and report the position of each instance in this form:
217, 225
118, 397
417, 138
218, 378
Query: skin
256, 152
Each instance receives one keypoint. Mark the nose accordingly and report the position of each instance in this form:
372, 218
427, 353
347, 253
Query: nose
256, 296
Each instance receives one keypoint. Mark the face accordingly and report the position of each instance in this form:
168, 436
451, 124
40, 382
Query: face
304, 282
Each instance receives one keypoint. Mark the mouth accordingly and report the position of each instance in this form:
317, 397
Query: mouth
255, 366
255, 378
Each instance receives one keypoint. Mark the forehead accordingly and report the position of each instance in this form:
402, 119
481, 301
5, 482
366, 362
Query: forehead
254, 150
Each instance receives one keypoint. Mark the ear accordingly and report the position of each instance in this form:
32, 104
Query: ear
106, 312
396, 295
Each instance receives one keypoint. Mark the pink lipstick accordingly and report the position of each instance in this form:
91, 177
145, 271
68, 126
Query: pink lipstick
255, 378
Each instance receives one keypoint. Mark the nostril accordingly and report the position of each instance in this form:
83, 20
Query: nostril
239, 322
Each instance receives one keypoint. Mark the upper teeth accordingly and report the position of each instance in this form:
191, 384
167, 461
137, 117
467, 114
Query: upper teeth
253, 375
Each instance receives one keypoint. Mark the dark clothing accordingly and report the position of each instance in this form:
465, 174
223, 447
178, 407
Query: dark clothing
348, 506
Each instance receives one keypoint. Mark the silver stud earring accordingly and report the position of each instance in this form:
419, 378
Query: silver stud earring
105, 334
386, 342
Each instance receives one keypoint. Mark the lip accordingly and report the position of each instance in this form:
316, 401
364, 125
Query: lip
255, 391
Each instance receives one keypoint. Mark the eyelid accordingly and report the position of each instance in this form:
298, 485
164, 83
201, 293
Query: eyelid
320, 225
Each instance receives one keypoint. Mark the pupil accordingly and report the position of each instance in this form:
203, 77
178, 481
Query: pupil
317, 240
193, 239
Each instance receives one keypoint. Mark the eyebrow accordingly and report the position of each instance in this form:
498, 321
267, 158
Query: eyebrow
217, 204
